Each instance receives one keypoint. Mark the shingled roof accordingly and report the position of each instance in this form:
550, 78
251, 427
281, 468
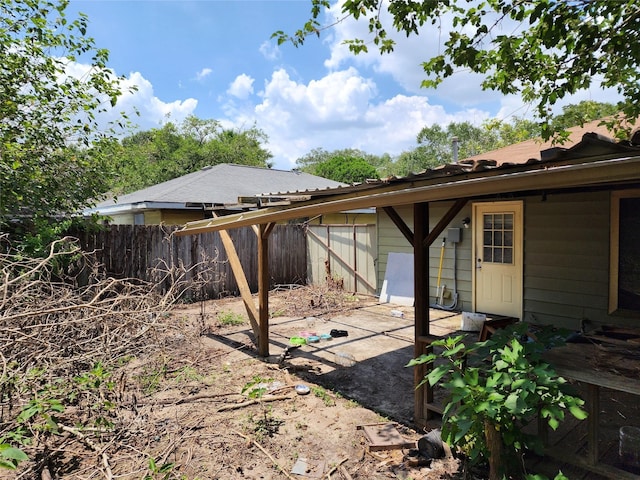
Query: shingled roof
528, 150
218, 185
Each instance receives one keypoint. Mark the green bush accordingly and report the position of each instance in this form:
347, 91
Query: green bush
496, 388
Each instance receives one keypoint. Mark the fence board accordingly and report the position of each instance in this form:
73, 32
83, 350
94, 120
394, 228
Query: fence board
148, 252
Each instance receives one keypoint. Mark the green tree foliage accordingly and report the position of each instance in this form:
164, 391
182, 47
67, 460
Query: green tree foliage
435, 143
583, 112
496, 388
153, 156
309, 162
346, 169
541, 50
52, 154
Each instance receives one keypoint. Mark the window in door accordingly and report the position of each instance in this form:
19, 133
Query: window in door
497, 238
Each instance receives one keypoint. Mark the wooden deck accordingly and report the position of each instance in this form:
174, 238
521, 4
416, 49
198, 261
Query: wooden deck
568, 447
606, 376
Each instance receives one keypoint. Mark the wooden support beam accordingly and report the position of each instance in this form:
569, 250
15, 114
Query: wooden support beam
399, 222
445, 220
268, 229
241, 280
263, 287
423, 394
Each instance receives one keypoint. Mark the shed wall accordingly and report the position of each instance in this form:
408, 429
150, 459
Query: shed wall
350, 251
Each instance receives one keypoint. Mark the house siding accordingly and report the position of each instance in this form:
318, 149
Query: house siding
345, 218
566, 258
180, 217
122, 219
566, 262
390, 239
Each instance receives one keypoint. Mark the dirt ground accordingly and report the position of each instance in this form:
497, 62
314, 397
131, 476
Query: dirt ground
215, 431
200, 404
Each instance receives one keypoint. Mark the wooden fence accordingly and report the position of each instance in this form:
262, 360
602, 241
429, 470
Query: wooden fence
156, 254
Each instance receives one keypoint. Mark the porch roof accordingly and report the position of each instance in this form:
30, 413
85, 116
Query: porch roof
595, 161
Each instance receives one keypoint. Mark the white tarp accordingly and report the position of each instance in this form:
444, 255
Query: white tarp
398, 280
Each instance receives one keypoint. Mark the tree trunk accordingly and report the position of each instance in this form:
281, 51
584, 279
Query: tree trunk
504, 462
497, 463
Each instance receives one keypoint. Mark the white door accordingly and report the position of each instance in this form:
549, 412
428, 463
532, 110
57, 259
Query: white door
497, 256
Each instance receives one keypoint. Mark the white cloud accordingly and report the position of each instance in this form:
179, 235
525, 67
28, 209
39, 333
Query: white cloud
138, 97
270, 50
153, 111
340, 110
241, 87
202, 74
403, 65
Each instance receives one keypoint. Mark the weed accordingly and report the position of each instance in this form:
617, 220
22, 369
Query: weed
10, 456
256, 387
489, 403
351, 404
228, 318
187, 374
322, 394
151, 378
159, 471
266, 425
122, 361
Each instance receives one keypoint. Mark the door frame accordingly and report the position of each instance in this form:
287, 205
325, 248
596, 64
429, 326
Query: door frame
477, 222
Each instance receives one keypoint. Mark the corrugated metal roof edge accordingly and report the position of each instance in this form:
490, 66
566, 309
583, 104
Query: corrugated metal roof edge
467, 166
547, 175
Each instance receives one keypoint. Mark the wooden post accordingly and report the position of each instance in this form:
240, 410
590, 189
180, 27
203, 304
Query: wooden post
421, 306
241, 280
263, 287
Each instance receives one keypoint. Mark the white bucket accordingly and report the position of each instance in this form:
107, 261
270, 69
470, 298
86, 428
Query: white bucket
472, 322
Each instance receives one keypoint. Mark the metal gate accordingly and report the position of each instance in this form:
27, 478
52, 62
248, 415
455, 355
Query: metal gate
343, 254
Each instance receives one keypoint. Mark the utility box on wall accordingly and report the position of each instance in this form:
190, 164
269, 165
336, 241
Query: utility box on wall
454, 235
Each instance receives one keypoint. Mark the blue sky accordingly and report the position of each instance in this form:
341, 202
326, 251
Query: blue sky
215, 59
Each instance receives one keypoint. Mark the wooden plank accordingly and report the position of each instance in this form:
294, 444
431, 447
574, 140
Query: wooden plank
399, 222
263, 288
608, 471
593, 410
421, 307
241, 279
352, 269
572, 361
444, 221
385, 436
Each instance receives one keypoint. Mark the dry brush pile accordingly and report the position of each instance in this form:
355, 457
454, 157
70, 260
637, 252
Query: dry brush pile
66, 331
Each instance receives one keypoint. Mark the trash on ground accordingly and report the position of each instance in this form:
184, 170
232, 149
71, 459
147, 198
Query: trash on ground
431, 445
308, 468
302, 389
385, 436
344, 359
339, 333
